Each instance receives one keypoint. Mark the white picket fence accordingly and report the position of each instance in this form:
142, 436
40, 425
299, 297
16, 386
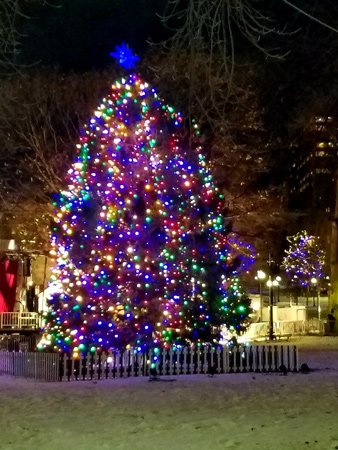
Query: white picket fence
174, 361
43, 366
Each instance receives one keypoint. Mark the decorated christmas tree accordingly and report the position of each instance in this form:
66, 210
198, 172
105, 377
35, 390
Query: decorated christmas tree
139, 239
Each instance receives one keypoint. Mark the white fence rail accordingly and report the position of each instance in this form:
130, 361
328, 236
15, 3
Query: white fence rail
185, 361
20, 321
284, 329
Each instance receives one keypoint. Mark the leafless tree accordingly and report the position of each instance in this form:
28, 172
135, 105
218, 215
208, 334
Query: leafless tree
214, 83
9, 36
40, 118
205, 33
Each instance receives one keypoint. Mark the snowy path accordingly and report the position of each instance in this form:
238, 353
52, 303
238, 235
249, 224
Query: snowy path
245, 411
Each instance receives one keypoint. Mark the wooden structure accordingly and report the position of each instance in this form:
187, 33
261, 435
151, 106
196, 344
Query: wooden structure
13, 322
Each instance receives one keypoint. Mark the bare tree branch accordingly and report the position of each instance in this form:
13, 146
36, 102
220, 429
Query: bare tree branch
311, 16
8, 35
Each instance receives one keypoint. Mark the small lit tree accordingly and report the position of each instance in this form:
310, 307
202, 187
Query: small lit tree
304, 260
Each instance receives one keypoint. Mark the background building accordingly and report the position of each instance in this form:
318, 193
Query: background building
312, 177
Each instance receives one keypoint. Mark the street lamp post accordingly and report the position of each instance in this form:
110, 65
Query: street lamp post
314, 282
260, 276
278, 279
269, 283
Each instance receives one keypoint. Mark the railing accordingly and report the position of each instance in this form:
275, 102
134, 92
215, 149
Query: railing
283, 328
16, 342
174, 361
314, 326
20, 321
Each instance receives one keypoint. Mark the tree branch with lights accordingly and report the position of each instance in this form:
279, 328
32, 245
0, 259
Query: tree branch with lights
304, 259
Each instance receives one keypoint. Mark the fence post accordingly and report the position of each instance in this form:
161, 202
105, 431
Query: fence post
218, 355
171, 354
279, 356
235, 366
137, 364
247, 367
198, 362
205, 359
185, 360
240, 353
296, 360
179, 361
225, 352
260, 359
35, 366
56, 367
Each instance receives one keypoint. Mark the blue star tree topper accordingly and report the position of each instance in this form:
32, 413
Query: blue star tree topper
125, 56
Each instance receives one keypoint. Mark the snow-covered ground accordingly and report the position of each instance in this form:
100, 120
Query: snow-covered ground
236, 411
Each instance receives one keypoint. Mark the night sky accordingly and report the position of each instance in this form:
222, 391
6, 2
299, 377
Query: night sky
79, 34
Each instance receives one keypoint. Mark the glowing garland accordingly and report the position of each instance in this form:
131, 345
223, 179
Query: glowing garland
241, 255
139, 239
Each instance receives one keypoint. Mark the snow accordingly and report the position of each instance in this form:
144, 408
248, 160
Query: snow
232, 411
